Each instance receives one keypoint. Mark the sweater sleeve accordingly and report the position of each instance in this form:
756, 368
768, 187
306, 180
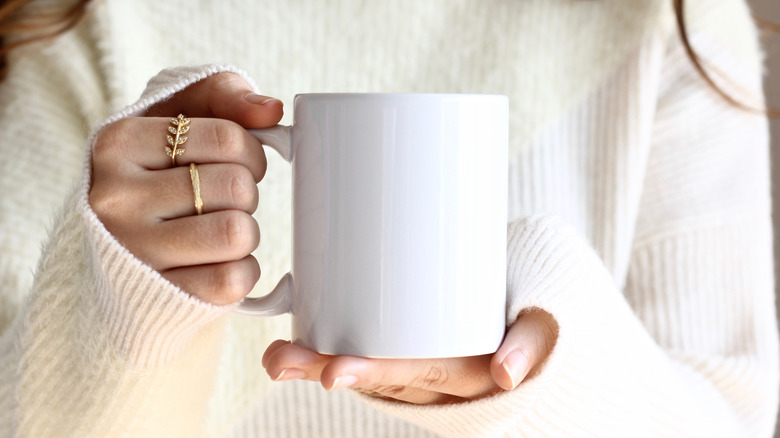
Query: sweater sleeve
688, 347
102, 345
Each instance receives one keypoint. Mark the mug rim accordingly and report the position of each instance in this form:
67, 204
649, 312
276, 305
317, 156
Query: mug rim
396, 95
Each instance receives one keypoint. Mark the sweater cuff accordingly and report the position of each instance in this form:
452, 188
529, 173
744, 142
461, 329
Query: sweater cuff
546, 260
148, 319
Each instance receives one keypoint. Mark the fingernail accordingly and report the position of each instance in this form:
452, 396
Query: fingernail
258, 99
290, 374
343, 382
515, 364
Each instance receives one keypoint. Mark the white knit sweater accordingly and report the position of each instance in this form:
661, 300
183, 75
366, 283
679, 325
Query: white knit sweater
639, 218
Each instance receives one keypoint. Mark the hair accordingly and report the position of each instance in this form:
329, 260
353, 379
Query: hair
48, 23
44, 24
704, 73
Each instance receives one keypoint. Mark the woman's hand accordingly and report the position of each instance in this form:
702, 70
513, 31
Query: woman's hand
147, 203
425, 381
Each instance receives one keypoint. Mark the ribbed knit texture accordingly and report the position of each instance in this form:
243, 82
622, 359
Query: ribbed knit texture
639, 218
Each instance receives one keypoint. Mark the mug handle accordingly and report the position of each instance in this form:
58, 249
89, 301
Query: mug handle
277, 301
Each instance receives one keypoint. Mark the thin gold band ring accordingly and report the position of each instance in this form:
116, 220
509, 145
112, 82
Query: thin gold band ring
195, 178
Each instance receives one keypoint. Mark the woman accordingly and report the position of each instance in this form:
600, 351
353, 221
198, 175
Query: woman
639, 257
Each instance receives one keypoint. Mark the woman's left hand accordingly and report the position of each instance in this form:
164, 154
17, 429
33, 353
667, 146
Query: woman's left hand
425, 381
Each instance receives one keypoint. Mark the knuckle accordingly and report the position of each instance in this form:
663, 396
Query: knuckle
110, 139
228, 281
436, 377
226, 138
241, 234
225, 80
106, 203
220, 86
127, 225
241, 187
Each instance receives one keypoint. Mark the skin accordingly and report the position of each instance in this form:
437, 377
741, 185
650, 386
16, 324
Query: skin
147, 204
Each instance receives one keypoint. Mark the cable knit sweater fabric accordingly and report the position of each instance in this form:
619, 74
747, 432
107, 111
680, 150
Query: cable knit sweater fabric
639, 218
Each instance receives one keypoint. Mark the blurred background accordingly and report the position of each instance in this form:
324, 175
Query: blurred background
770, 10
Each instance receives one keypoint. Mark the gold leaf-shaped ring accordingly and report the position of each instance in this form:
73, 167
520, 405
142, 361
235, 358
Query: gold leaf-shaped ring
180, 126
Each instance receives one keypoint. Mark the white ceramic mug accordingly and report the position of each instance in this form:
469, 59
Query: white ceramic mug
399, 224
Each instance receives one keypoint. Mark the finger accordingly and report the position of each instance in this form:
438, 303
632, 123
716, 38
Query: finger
224, 96
141, 142
220, 283
287, 361
222, 187
527, 344
466, 377
275, 345
217, 237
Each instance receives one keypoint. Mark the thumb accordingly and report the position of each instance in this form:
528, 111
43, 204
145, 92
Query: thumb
224, 96
527, 344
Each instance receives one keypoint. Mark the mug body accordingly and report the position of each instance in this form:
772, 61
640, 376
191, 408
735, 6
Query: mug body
399, 224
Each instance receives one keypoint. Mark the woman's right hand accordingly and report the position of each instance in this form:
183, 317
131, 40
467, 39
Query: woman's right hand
147, 203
